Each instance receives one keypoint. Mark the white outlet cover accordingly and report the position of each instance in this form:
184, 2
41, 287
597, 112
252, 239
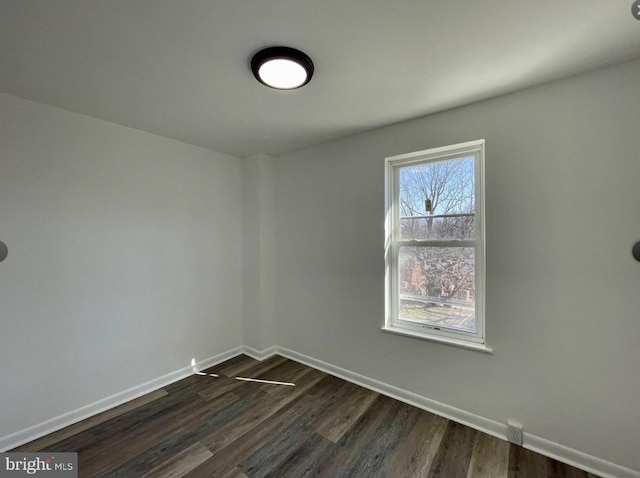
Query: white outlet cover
514, 432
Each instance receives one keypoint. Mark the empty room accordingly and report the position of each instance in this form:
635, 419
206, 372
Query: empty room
287, 238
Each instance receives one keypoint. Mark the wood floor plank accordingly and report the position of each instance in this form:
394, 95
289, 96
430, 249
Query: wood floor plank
561, 470
269, 456
165, 446
353, 443
128, 422
327, 387
341, 418
525, 463
276, 368
454, 455
414, 456
137, 442
277, 440
220, 386
285, 371
232, 473
225, 435
300, 458
329, 404
90, 422
205, 426
180, 464
373, 459
243, 447
489, 458
185, 387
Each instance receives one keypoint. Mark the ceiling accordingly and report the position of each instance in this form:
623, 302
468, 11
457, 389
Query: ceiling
181, 68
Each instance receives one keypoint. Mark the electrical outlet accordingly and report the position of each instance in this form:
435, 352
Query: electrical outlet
514, 432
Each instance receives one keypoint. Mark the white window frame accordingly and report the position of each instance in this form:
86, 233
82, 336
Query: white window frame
393, 242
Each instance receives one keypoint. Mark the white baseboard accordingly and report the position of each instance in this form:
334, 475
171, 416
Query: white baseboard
576, 458
31, 433
258, 354
215, 360
572, 457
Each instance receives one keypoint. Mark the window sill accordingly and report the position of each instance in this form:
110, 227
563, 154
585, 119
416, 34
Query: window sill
442, 340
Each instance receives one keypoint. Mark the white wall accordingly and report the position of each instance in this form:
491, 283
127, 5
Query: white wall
259, 289
563, 210
125, 259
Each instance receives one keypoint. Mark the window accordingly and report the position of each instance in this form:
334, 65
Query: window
435, 244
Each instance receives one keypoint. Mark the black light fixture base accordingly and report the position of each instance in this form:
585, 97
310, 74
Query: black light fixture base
281, 53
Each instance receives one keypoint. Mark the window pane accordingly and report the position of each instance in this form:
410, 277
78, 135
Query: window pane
437, 200
447, 228
437, 286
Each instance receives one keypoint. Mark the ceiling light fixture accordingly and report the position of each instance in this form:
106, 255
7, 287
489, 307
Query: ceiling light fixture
282, 68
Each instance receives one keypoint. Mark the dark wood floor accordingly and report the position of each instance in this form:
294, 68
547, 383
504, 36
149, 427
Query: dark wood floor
206, 426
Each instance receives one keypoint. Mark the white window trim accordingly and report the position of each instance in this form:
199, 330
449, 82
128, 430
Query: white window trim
471, 341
